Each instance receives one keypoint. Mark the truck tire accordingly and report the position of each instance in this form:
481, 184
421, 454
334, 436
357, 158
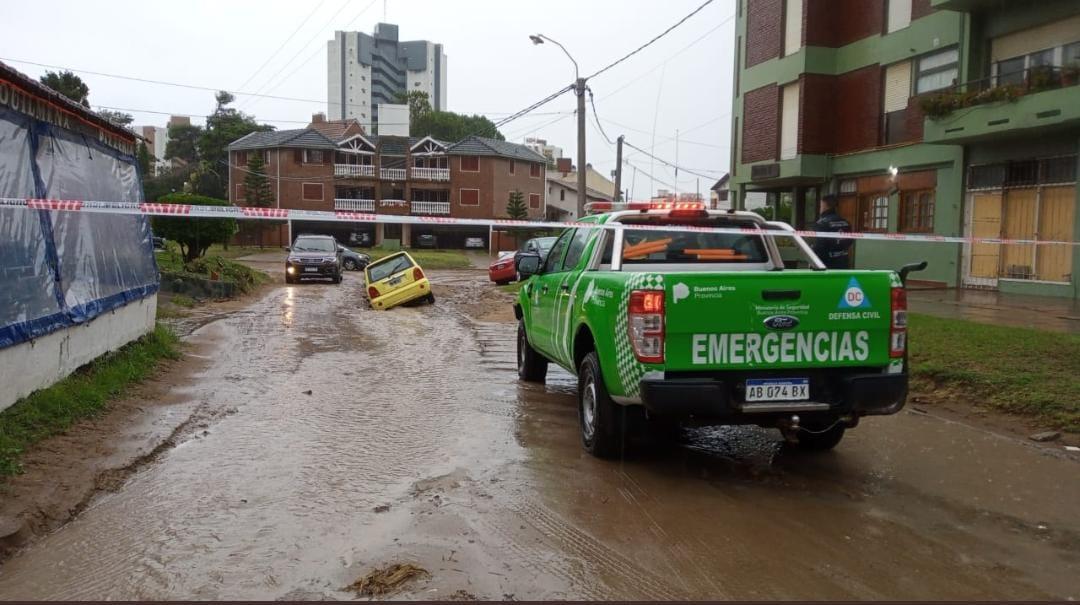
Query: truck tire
532, 366
819, 439
603, 422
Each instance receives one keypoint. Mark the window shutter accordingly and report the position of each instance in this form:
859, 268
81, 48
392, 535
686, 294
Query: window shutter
897, 86
793, 22
789, 124
899, 15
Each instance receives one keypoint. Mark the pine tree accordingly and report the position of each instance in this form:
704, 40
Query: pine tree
515, 207
257, 190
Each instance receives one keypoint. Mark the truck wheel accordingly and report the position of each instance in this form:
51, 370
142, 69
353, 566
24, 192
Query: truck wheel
603, 421
820, 438
532, 366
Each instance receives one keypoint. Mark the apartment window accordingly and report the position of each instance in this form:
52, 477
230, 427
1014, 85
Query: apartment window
1070, 55
562, 195
874, 212
241, 158
239, 193
789, 123
938, 70
313, 156
534, 171
312, 192
534, 200
469, 197
898, 16
917, 212
512, 167
470, 163
266, 156
793, 12
1014, 70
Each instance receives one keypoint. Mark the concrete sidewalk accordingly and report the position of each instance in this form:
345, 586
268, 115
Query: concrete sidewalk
1043, 313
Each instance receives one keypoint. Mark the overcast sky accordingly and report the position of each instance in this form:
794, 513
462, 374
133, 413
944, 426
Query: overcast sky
681, 82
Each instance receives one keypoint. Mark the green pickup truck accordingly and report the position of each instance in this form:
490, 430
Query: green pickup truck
700, 327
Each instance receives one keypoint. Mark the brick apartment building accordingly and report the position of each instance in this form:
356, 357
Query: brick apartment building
335, 166
829, 98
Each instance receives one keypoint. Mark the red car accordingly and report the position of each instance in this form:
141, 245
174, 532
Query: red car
502, 271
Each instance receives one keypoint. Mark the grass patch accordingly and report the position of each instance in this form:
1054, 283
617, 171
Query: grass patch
1018, 370
245, 278
181, 300
85, 393
512, 287
428, 259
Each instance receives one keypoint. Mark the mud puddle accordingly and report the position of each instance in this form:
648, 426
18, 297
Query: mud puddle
481, 481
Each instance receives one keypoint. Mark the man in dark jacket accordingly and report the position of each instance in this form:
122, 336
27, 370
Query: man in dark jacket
834, 252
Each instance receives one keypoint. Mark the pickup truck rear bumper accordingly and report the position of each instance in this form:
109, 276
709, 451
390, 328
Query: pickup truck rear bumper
718, 398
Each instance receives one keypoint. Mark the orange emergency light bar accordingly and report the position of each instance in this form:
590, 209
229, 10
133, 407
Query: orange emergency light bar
674, 206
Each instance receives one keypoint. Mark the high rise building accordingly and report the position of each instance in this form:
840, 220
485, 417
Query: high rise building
365, 71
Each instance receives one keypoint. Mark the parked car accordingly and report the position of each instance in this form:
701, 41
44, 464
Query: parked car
396, 279
502, 271
351, 260
536, 245
313, 256
360, 238
427, 241
474, 242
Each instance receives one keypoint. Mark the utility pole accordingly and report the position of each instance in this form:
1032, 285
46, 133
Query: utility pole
581, 187
618, 169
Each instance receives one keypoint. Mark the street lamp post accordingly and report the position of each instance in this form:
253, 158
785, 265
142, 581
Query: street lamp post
579, 89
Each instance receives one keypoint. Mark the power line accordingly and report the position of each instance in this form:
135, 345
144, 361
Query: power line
283, 44
673, 165
650, 42
272, 79
535, 105
596, 118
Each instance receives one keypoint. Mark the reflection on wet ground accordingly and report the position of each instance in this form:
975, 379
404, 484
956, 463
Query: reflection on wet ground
416, 413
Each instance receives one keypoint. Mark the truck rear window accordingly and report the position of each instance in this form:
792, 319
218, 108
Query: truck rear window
659, 247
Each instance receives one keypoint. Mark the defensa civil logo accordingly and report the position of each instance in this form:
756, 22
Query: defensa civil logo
854, 297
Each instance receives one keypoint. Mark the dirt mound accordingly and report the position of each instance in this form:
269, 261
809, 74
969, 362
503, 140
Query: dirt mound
386, 580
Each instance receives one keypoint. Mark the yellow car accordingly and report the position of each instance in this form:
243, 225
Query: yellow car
396, 279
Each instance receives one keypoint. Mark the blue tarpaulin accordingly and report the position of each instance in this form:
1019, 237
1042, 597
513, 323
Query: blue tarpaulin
59, 269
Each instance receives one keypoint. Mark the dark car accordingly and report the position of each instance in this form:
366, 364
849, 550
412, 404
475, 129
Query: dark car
313, 256
427, 241
536, 245
353, 261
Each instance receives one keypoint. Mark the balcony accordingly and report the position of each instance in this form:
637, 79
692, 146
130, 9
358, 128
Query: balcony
354, 205
431, 174
439, 208
354, 170
392, 174
975, 111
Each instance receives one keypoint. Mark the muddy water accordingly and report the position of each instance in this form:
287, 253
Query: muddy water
489, 490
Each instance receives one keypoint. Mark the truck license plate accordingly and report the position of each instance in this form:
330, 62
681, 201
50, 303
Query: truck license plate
770, 389
311, 269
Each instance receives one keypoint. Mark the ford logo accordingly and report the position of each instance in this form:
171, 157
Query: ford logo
781, 322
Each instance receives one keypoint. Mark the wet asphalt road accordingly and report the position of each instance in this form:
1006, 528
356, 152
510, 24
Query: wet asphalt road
490, 491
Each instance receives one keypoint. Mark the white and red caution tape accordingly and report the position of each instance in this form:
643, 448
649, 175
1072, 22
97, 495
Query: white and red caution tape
280, 214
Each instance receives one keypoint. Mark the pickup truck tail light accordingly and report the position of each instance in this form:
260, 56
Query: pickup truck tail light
898, 323
417, 274
646, 324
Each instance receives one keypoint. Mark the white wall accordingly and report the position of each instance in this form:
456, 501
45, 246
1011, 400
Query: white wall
29, 366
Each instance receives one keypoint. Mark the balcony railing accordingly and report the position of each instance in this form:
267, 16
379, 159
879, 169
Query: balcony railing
431, 174
431, 207
392, 174
354, 205
1003, 87
354, 170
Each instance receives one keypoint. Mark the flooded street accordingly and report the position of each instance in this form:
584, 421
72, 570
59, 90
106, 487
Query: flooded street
344, 439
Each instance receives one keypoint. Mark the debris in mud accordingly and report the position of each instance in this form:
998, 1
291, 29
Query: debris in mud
1045, 436
462, 595
382, 508
1072, 448
307, 392
385, 580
